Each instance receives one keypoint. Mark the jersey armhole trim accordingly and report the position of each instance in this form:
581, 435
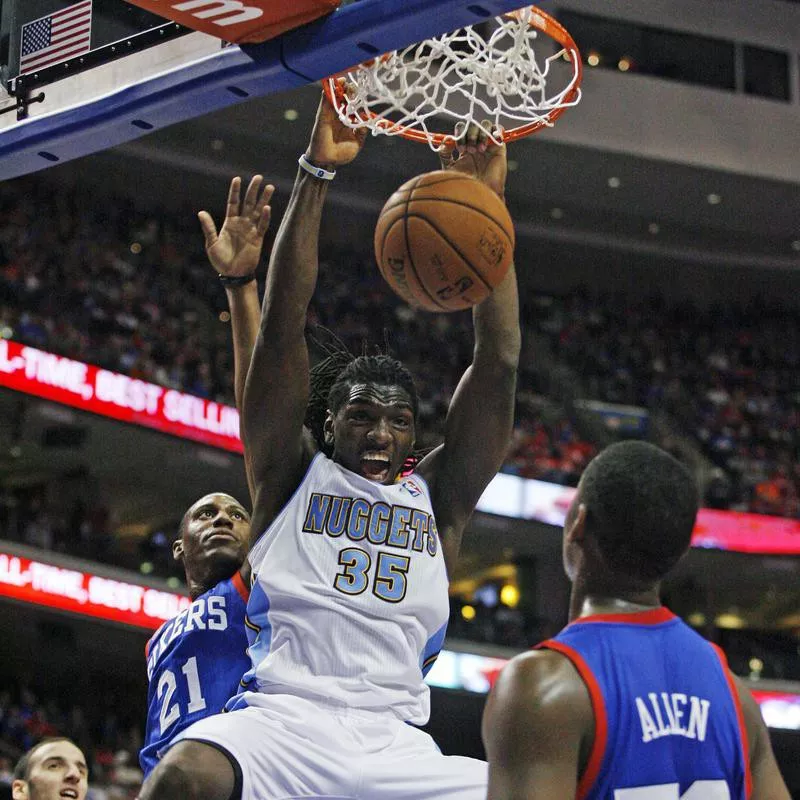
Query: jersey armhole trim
592, 771
239, 585
745, 743
258, 546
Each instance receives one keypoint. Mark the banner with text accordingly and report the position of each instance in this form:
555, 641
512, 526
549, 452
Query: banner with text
121, 397
471, 672
110, 394
86, 594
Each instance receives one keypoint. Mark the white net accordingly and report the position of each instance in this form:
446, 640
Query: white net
488, 74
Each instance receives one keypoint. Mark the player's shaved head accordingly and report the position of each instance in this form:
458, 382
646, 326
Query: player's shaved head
213, 540
641, 505
222, 496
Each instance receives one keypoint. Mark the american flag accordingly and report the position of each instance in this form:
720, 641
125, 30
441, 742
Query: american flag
56, 37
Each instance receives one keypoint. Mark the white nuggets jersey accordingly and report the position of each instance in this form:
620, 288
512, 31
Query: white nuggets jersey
349, 602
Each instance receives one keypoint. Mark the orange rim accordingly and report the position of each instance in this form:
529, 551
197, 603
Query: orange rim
540, 20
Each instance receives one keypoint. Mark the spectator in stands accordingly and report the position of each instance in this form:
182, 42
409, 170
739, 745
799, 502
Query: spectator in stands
52, 769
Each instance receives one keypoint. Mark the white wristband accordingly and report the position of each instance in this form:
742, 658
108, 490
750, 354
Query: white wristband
317, 172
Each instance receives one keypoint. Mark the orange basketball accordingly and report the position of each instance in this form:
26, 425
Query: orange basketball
443, 241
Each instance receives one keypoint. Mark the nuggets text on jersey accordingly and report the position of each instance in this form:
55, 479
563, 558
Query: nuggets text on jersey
381, 523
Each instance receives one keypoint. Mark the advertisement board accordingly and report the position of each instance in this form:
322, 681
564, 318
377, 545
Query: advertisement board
85, 593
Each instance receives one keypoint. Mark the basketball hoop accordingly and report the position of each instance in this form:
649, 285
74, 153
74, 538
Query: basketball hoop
466, 75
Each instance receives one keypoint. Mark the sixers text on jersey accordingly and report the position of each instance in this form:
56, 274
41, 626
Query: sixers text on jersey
195, 663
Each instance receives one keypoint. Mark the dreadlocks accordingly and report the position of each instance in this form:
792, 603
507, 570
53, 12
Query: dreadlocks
339, 369
323, 376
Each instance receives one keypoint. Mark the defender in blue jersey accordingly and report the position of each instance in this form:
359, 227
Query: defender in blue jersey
627, 702
195, 661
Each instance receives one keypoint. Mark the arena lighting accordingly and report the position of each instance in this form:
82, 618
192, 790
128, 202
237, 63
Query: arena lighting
85, 593
736, 531
730, 621
509, 595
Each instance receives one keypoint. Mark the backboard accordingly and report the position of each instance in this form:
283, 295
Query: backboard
142, 74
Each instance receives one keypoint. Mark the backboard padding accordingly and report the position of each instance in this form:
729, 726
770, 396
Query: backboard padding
138, 103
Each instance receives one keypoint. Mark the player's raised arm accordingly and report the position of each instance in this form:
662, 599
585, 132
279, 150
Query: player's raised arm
536, 727
277, 386
481, 415
235, 252
768, 784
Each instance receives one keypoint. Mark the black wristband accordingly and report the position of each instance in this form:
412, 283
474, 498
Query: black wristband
231, 281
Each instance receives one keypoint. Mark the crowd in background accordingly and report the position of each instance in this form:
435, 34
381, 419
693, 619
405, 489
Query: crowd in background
111, 745
729, 376
132, 292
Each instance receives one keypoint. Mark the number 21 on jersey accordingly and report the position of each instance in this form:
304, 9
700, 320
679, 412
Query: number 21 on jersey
168, 683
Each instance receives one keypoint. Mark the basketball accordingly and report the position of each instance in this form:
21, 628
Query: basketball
443, 241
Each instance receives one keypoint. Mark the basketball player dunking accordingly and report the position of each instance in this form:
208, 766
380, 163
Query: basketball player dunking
349, 605
195, 661
627, 702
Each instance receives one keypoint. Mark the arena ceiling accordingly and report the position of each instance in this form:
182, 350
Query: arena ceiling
559, 194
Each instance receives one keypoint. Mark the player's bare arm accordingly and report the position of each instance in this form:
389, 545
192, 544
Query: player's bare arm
481, 415
235, 252
537, 729
277, 385
768, 784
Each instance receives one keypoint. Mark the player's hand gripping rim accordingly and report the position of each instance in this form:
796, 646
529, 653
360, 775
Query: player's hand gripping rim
333, 143
474, 152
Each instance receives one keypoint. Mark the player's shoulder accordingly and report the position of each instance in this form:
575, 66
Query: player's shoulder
543, 677
539, 691
539, 667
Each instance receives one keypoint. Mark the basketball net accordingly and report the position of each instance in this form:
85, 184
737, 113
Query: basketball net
494, 80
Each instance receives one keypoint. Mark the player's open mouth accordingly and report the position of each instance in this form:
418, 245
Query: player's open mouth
375, 466
69, 793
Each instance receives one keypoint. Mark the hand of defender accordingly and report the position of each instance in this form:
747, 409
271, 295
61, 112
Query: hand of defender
236, 250
476, 155
332, 143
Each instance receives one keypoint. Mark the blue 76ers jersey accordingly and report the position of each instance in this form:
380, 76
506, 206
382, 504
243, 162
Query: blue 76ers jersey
194, 664
668, 724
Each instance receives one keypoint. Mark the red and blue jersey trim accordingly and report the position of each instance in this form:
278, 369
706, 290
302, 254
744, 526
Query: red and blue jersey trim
598, 751
655, 616
241, 586
737, 704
